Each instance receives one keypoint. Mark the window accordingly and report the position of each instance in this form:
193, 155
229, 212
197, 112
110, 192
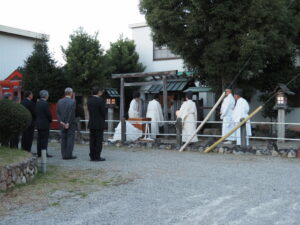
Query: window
162, 53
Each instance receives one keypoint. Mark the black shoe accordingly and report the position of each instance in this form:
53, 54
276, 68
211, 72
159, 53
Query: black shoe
49, 156
69, 158
98, 160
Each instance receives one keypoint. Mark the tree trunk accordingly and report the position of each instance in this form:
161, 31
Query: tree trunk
85, 109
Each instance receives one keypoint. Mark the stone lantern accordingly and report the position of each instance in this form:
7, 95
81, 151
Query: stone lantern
281, 105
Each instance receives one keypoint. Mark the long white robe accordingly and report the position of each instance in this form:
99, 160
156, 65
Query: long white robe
188, 114
132, 133
226, 115
134, 109
154, 111
240, 111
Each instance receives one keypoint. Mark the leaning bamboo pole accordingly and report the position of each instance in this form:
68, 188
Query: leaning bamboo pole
203, 122
234, 129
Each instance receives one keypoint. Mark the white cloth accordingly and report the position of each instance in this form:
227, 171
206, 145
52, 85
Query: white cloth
240, 111
188, 114
226, 115
154, 111
134, 109
132, 133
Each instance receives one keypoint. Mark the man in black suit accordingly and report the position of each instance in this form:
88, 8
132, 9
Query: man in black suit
43, 120
27, 136
66, 117
96, 107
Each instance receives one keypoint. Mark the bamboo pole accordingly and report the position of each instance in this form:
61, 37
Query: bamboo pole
204, 121
234, 129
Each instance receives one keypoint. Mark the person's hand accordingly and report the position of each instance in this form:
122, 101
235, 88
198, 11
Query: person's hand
67, 125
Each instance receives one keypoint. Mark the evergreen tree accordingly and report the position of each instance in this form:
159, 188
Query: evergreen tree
123, 58
85, 65
215, 38
40, 72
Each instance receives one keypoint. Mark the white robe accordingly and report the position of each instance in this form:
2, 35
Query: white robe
188, 114
154, 111
240, 111
226, 115
134, 109
132, 133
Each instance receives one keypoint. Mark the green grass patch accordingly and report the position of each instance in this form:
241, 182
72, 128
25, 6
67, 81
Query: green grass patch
10, 155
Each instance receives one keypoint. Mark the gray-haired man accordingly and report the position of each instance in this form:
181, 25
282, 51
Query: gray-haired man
43, 121
66, 117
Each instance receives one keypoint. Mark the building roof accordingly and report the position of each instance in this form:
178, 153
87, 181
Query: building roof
198, 89
138, 25
22, 33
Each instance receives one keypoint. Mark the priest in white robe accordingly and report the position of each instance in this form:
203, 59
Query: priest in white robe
135, 106
240, 111
154, 111
226, 115
132, 133
188, 114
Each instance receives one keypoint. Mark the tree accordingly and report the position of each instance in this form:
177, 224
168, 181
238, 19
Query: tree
13, 121
215, 38
40, 72
123, 58
85, 64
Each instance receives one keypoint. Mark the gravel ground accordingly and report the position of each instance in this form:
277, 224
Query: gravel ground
178, 188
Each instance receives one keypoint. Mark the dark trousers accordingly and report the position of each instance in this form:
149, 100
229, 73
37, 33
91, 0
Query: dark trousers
42, 140
67, 141
96, 138
27, 138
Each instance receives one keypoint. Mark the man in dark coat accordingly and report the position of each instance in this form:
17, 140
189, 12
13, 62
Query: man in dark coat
27, 136
96, 107
43, 120
66, 117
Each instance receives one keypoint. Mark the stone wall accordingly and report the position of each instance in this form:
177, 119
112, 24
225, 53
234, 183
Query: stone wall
18, 173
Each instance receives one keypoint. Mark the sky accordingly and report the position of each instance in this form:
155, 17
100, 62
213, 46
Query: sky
60, 18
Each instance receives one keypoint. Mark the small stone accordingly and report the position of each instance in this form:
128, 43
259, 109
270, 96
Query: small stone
200, 149
221, 150
291, 154
274, 153
19, 180
258, 152
23, 180
168, 147
118, 144
3, 186
162, 147
237, 152
9, 180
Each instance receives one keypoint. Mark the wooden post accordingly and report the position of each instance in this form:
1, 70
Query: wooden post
165, 102
122, 119
243, 135
179, 131
280, 125
110, 117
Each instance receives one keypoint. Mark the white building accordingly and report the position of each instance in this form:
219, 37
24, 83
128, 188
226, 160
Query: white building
15, 46
154, 58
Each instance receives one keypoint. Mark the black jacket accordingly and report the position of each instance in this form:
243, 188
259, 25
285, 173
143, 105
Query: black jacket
30, 105
97, 112
43, 115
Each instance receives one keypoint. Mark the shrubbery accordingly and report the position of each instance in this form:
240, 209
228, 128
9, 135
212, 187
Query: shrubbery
14, 118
